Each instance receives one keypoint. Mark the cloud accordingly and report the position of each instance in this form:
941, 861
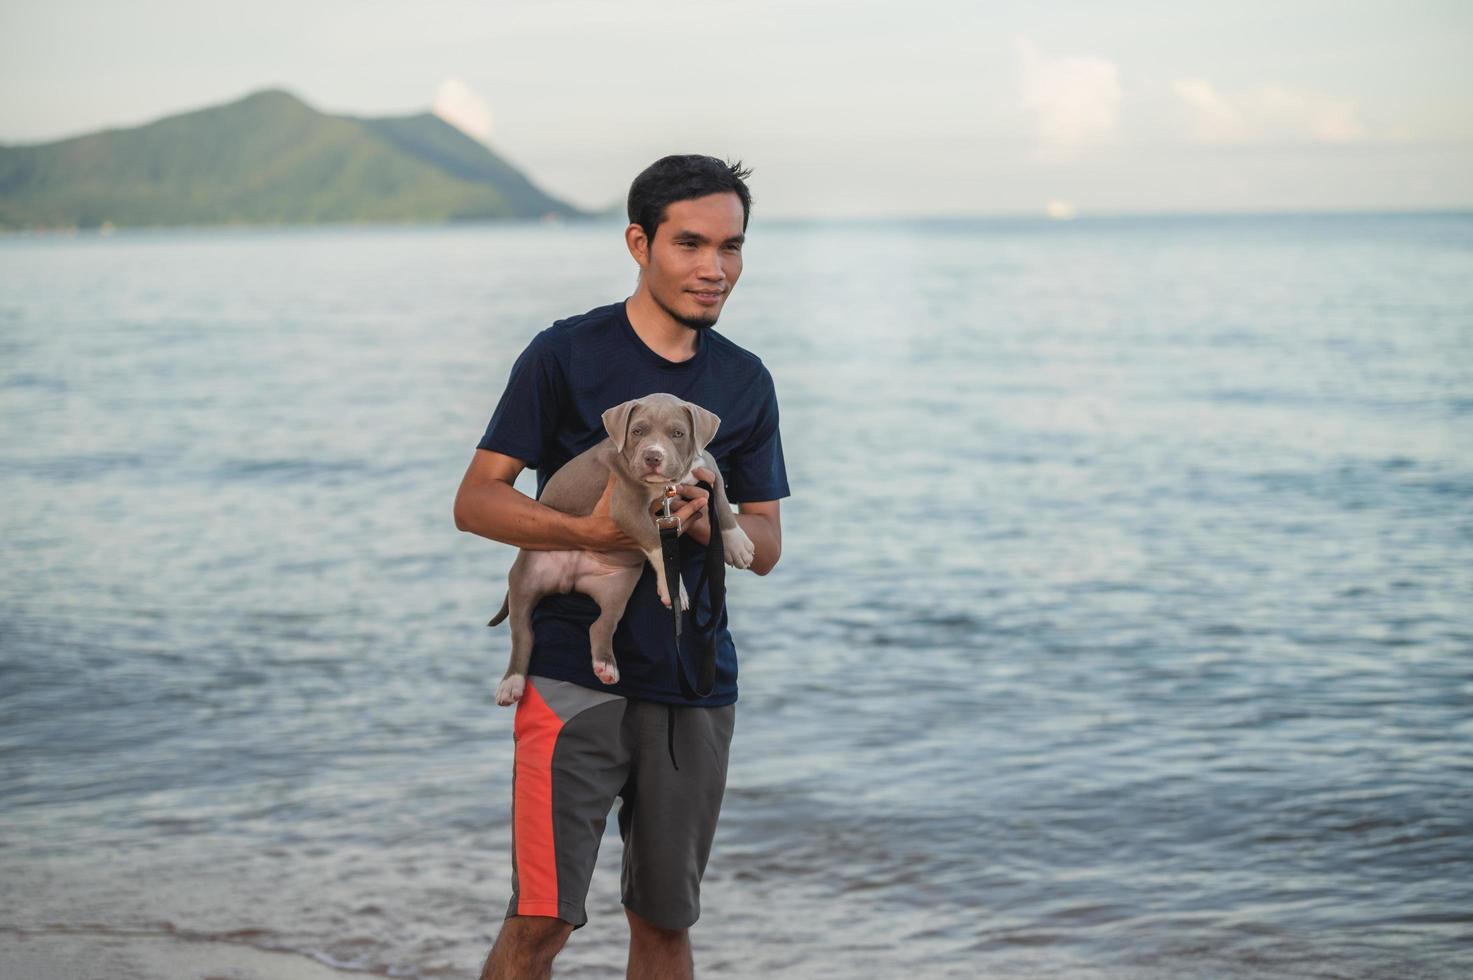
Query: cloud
1267, 112
462, 108
1073, 100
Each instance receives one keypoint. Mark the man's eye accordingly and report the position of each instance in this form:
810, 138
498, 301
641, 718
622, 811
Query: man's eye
687, 244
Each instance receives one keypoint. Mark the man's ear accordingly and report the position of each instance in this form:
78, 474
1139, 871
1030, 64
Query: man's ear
616, 422
703, 424
638, 244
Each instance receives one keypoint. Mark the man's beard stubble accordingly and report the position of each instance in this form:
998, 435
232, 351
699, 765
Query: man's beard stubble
693, 323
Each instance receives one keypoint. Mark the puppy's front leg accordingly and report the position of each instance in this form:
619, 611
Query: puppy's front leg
736, 547
633, 515
658, 561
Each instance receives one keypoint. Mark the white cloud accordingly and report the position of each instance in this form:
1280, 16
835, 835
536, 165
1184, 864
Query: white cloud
1267, 112
1073, 100
462, 108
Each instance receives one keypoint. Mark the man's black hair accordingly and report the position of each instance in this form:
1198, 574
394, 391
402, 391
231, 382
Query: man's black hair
680, 178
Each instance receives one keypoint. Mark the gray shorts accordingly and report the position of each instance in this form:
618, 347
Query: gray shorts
577, 749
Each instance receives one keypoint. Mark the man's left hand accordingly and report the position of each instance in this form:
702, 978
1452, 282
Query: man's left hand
692, 507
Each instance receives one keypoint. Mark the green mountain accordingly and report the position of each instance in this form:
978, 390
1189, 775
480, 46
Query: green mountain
268, 158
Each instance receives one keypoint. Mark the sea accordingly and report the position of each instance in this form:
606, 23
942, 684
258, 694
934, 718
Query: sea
1123, 626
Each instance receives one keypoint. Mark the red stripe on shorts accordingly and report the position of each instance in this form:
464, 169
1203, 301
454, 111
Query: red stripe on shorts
536, 730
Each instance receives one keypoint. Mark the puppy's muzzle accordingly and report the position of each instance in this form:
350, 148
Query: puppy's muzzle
653, 458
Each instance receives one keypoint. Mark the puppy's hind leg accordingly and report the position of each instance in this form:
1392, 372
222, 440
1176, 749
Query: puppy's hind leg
611, 590
521, 598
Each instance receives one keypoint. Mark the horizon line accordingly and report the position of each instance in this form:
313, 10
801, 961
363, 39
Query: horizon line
980, 217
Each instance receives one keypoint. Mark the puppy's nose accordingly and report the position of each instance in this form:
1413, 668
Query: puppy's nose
653, 458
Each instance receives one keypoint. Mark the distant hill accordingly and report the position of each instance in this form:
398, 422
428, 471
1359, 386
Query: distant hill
268, 158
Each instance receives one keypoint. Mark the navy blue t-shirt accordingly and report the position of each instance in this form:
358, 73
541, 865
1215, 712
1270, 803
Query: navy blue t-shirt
552, 410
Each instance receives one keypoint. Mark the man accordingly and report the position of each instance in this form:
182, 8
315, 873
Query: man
580, 743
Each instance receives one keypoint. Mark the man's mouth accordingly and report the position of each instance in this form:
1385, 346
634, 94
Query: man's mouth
708, 297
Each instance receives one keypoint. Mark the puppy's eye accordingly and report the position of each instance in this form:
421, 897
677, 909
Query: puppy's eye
678, 434
638, 430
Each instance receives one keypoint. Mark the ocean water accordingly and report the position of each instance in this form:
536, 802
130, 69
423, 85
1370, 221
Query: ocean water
1123, 628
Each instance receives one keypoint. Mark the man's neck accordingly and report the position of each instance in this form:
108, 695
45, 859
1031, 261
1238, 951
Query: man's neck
671, 340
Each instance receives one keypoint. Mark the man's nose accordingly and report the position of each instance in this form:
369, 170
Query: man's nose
710, 267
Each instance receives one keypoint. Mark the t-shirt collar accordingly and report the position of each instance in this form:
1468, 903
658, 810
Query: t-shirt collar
702, 342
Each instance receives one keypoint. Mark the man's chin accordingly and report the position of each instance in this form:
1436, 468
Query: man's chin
697, 323
702, 320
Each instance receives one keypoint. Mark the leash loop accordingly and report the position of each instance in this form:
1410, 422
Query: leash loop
713, 581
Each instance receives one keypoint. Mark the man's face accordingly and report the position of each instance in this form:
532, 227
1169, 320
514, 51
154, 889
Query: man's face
695, 259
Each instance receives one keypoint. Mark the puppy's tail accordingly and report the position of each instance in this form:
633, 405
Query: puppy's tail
505, 608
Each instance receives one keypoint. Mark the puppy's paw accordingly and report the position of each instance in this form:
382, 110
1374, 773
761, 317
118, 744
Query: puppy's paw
606, 670
664, 594
510, 690
738, 548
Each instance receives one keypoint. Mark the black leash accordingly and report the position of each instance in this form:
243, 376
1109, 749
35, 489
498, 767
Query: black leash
713, 581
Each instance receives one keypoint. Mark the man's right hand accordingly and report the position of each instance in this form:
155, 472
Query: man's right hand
603, 532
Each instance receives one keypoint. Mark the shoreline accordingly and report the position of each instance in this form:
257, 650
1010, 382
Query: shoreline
69, 953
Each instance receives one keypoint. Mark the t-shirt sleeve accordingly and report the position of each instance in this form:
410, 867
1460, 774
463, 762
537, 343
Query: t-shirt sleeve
757, 468
526, 417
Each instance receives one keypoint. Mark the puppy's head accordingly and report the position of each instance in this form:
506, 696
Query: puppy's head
658, 436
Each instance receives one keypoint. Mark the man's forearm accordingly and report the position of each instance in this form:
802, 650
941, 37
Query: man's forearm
501, 512
764, 536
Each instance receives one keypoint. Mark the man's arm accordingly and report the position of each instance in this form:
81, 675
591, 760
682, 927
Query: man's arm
489, 504
761, 520
763, 523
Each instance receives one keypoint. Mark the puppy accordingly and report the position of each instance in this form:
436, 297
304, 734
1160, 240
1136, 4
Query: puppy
653, 441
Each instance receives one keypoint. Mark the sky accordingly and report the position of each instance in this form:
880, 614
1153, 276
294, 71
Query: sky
842, 108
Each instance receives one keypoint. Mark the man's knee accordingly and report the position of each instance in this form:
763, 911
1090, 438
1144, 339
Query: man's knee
646, 931
525, 947
533, 937
539, 930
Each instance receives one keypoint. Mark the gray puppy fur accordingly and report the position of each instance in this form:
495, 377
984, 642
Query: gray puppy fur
653, 441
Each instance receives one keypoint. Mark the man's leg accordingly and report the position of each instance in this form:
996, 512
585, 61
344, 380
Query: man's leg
525, 948
658, 954
569, 764
667, 818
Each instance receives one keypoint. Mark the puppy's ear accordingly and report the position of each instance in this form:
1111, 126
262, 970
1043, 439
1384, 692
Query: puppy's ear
616, 422
703, 424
